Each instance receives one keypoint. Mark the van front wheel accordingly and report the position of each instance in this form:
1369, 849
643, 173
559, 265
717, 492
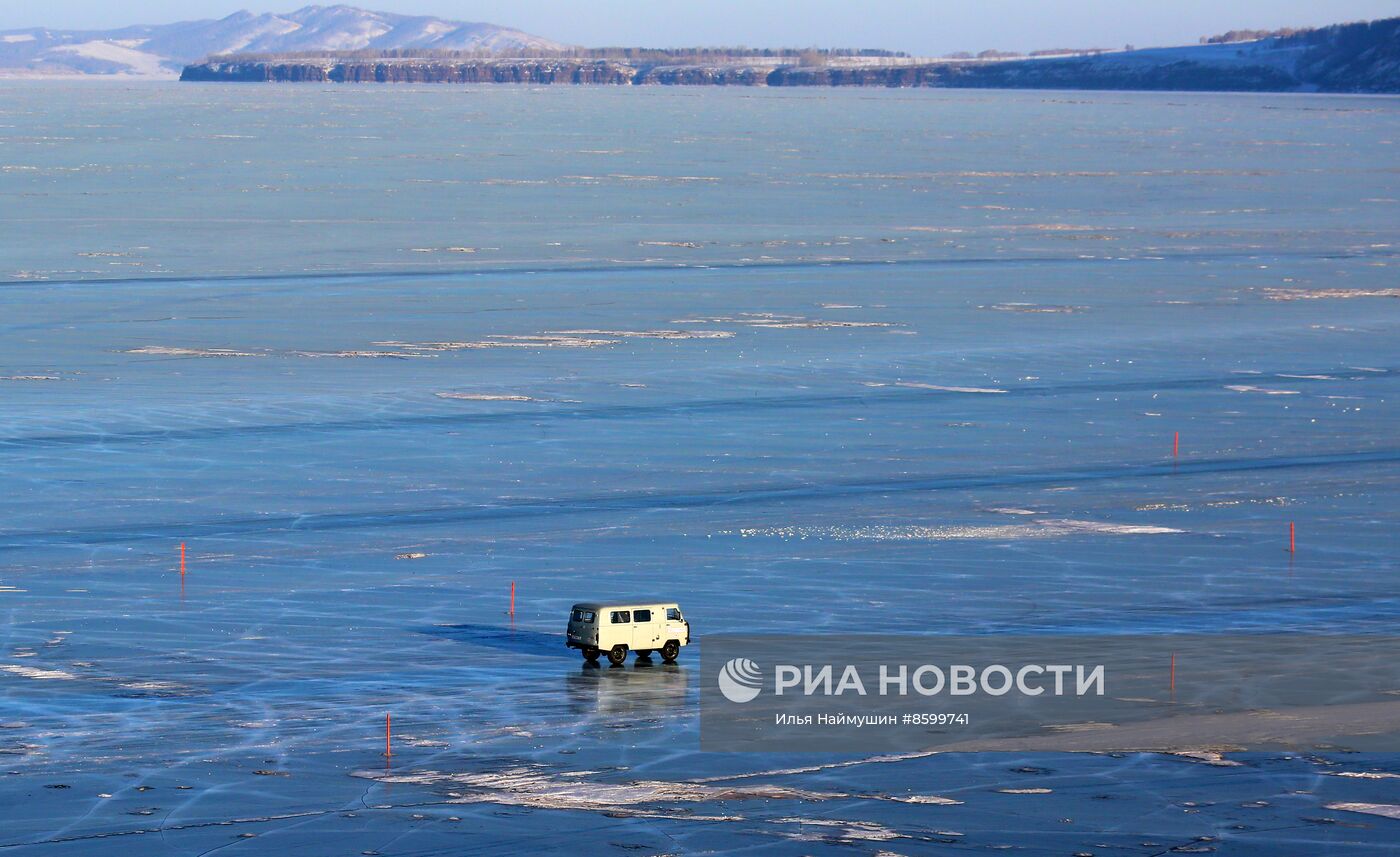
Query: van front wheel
617, 655
670, 650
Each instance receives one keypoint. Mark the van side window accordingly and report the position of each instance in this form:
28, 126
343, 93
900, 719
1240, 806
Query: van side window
620, 617
641, 616
584, 616
673, 614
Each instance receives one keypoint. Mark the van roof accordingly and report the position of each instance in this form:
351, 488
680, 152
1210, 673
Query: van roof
620, 604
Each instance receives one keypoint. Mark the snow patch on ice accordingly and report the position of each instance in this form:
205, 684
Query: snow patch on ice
649, 334
1384, 810
840, 830
1036, 791
921, 386
170, 351
37, 674
1040, 529
488, 397
1268, 391
1328, 294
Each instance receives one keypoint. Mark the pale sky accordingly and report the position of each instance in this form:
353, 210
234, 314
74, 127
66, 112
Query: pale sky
916, 26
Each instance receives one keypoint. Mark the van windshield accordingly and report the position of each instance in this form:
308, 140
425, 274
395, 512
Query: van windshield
673, 614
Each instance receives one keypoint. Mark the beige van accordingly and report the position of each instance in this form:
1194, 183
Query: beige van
619, 627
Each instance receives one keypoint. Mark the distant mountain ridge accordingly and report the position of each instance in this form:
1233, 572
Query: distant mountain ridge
1357, 57
163, 50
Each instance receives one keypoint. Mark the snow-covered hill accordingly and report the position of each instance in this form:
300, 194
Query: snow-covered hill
162, 50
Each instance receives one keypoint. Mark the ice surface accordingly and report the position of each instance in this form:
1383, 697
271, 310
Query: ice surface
917, 373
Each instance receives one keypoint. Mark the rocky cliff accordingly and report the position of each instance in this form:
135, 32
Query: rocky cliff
413, 71
1048, 74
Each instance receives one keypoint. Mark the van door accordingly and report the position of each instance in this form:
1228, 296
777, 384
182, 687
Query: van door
583, 627
676, 628
618, 630
646, 629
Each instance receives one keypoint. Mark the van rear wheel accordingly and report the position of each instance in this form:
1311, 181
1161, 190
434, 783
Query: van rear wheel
670, 651
643, 654
590, 654
617, 655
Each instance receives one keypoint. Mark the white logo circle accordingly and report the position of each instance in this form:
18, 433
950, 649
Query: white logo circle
740, 680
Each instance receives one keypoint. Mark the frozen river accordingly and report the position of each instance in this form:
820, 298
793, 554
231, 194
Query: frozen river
906, 362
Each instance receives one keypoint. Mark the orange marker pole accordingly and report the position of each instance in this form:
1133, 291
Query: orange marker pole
1176, 444
1173, 678
1292, 538
512, 598
388, 747
182, 559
